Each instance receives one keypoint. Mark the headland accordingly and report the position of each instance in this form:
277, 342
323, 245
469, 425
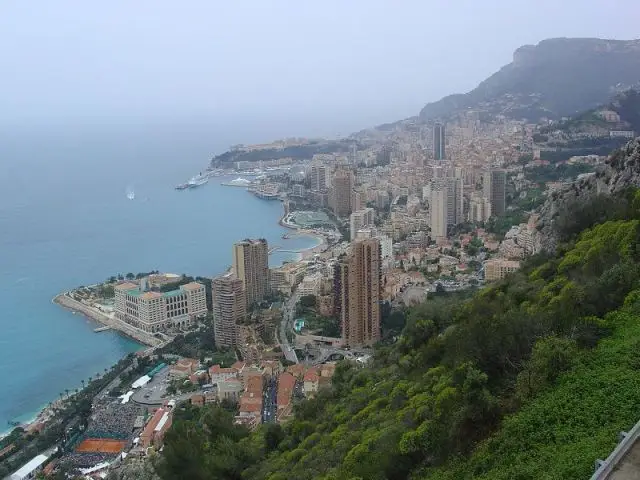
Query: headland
94, 313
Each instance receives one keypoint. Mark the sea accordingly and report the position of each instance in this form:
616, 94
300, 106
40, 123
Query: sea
66, 221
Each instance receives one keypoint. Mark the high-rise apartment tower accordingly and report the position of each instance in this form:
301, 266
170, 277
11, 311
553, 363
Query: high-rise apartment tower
438, 142
494, 189
357, 293
251, 266
229, 309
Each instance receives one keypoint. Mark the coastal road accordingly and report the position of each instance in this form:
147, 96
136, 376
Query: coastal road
288, 311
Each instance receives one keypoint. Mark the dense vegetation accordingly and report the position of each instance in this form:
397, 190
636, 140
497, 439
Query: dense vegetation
532, 377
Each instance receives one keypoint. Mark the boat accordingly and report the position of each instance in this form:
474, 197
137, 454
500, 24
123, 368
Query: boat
182, 186
131, 195
238, 182
198, 180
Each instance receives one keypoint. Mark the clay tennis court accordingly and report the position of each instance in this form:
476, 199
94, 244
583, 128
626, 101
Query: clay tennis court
102, 445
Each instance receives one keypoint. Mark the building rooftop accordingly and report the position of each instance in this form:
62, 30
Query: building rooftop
311, 376
286, 381
192, 286
150, 295
126, 286
29, 467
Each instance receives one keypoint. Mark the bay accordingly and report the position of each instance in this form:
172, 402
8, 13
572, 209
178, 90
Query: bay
65, 221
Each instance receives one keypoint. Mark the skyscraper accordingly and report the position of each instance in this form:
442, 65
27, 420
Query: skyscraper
340, 198
438, 142
229, 309
357, 293
438, 210
494, 189
251, 266
318, 177
454, 201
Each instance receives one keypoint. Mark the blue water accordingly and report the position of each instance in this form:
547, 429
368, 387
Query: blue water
65, 221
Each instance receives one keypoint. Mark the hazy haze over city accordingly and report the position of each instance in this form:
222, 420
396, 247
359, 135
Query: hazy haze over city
321, 67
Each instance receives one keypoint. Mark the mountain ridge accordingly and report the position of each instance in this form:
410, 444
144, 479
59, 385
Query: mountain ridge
555, 78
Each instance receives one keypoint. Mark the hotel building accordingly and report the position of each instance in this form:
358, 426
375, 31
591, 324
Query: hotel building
154, 311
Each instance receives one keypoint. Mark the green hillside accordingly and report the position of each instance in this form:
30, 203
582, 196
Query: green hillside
530, 378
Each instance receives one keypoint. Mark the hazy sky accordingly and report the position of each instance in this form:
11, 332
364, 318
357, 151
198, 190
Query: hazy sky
360, 62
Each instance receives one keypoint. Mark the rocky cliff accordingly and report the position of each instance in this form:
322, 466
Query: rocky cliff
621, 172
557, 77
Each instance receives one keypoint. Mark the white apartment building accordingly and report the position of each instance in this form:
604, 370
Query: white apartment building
310, 285
360, 219
386, 246
154, 311
479, 208
319, 177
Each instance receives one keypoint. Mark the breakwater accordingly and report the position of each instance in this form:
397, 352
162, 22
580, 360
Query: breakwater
64, 300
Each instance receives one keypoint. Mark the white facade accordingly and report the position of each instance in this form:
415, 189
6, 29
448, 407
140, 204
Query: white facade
153, 311
479, 209
319, 177
310, 285
360, 219
386, 246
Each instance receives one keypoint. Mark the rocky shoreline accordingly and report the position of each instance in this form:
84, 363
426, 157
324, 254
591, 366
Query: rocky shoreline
64, 300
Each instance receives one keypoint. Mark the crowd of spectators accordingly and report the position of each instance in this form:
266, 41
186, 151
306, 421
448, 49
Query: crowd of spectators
88, 459
112, 421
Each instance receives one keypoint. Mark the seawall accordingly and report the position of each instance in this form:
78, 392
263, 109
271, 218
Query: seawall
66, 301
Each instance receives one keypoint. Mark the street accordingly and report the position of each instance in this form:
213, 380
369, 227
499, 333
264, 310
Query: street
270, 401
288, 312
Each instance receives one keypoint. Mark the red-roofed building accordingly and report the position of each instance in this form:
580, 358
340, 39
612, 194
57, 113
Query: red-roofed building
219, 374
286, 384
184, 367
310, 382
255, 384
251, 406
153, 432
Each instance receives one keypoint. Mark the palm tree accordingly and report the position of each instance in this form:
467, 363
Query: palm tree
90, 378
97, 374
82, 383
67, 392
60, 396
